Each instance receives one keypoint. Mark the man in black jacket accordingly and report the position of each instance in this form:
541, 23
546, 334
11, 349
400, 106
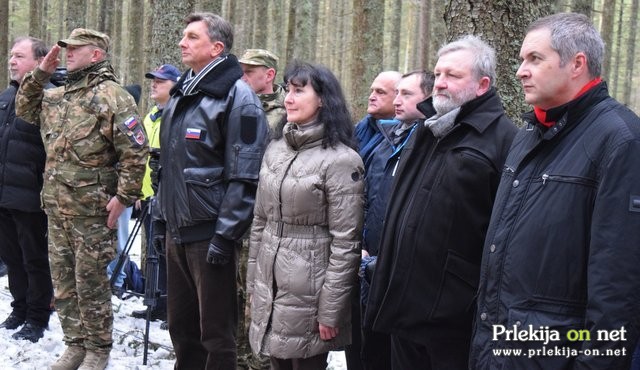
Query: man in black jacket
560, 274
441, 199
23, 224
212, 139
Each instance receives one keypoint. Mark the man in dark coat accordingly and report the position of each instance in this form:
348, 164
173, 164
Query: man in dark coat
560, 277
429, 258
23, 224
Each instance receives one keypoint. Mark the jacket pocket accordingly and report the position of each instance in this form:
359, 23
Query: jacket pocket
458, 288
205, 190
85, 138
82, 192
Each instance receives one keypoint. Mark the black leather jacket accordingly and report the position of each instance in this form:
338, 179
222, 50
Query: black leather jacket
212, 142
21, 157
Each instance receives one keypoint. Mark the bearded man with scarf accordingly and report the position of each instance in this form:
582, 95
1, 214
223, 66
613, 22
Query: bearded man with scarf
562, 249
428, 266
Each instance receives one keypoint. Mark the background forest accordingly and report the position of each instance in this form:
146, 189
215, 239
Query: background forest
355, 38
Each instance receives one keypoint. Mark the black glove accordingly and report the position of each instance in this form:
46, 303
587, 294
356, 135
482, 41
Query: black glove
220, 251
154, 166
158, 243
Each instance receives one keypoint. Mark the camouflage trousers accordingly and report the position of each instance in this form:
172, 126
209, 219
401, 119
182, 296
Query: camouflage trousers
247, 360
80, 248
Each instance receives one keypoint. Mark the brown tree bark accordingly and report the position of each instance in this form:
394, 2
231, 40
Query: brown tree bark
632, 28
367, 51
75, 16
4, 40
35, 18
608, 15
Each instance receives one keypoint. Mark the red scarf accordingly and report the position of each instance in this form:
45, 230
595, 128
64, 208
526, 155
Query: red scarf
541, 114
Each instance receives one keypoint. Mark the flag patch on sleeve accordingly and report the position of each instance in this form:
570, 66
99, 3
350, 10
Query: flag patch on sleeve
131, 122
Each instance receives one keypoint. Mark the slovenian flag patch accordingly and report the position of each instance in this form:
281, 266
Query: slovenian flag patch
193, 134
131, 122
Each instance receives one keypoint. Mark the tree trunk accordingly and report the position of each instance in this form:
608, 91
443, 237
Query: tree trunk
4, 40
424, 23
75, 15
392, 51
291, 27
135, 49
583, 6
166, 31
260, 25
367, 51
608, 15
617, 90
105, 23
35, 18
631, 53
499, 24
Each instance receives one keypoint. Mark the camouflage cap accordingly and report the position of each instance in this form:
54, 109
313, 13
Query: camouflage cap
85, 36
259, 57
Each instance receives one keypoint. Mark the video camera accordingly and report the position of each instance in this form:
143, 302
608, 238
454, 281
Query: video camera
59, 77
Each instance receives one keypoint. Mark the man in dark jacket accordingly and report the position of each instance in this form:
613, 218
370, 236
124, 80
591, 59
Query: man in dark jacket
23, 224
212, 138
429, 258
560, 267
380, 165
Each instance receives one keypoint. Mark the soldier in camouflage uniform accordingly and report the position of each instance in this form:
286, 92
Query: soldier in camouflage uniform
260, 68
88, 126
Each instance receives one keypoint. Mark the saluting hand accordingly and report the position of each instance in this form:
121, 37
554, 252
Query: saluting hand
51, 60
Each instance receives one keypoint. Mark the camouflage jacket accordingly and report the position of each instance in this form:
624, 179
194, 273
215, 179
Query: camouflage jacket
95, 143
273, 105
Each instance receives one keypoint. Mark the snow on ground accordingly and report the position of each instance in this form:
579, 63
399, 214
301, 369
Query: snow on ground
128, 339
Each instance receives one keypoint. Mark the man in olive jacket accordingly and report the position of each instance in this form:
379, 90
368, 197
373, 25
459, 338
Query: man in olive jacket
441, 199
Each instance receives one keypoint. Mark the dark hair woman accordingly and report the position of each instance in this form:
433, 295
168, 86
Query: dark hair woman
305, 238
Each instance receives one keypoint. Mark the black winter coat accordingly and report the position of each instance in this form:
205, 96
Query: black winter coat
563, 247
22, 157
212, 142
435, 224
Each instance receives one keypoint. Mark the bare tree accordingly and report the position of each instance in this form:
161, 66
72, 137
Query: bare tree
75, 15
136, 38
367, 50
608, 15
393, 26
631, 52
166, 30
35, 18
4, 39
616, 83
424, 22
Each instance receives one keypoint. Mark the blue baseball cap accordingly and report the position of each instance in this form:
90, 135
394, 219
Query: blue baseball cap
165, 72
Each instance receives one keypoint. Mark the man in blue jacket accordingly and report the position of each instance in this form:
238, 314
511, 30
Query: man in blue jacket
560, 267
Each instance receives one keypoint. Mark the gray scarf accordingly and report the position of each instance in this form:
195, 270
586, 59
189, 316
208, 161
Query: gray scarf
441, 125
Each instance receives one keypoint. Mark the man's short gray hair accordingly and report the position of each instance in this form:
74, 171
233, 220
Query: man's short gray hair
484, 62
572, 33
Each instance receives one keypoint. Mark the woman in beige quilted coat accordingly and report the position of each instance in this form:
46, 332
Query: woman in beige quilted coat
305, 239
